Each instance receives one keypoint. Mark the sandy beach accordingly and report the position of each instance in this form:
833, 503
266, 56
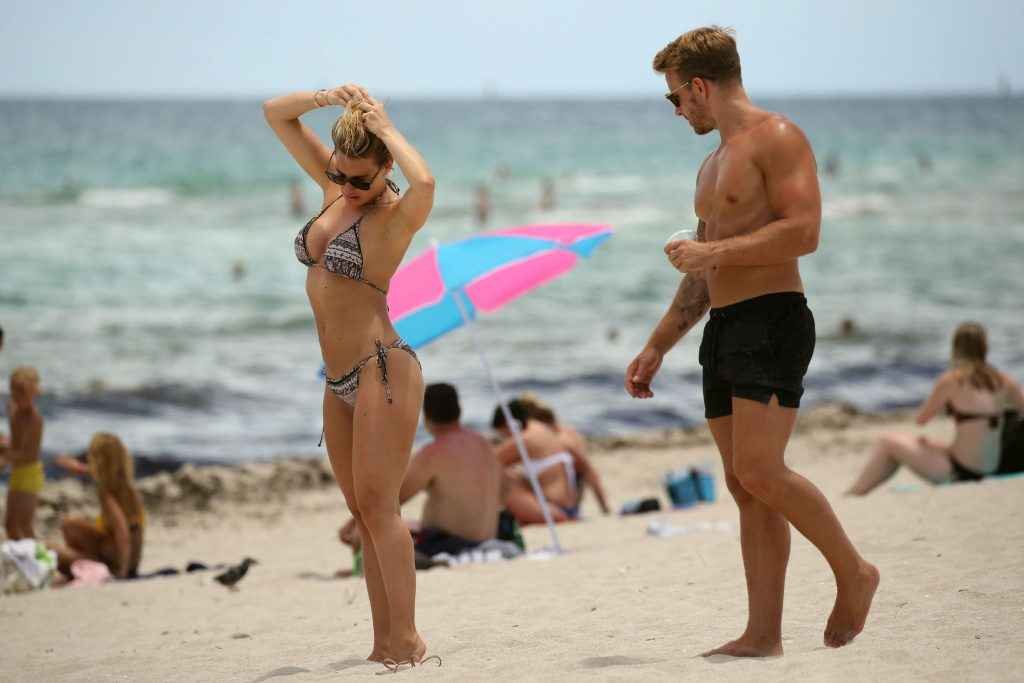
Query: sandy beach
220, 227
621, 604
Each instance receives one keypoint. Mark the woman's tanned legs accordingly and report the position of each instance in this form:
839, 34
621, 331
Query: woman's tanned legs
383, 434
338, 437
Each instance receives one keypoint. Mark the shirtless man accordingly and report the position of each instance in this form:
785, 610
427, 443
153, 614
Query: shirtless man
461, 476
759, 207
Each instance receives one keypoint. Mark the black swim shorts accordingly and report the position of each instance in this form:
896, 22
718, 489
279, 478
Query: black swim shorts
431, 541
755, 349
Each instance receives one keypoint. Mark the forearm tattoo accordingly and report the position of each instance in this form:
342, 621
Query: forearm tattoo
692, 299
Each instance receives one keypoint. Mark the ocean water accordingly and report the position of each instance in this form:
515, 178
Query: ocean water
120, 223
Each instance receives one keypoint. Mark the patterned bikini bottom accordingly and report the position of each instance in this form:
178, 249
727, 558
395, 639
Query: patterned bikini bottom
346, 386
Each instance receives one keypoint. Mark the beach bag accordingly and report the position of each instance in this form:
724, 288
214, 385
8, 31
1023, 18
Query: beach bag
25, 565
1011, 452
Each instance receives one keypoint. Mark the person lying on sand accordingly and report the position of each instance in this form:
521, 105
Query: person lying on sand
461, 477
114, 538
974, 394
21, 452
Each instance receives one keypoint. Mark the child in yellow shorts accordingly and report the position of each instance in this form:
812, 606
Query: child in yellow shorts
22, 454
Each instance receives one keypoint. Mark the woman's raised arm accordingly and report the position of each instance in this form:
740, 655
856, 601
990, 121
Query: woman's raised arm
282, 114
414, 207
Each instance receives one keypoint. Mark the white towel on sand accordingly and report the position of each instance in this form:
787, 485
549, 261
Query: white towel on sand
488, 551
33, 563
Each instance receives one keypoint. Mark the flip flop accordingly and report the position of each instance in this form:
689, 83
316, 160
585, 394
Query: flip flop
393, 667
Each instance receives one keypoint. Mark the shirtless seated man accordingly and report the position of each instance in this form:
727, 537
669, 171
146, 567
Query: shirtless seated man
759, 211
462, 479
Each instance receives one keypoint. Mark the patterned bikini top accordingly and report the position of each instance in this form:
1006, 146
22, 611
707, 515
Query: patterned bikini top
344, 253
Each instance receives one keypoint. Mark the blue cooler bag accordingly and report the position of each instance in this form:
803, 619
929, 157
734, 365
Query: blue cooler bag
681, 488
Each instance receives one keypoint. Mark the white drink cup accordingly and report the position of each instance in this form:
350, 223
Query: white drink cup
687, 234
679, 235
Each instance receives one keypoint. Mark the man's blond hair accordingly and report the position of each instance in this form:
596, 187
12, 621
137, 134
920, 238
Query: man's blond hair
708, 52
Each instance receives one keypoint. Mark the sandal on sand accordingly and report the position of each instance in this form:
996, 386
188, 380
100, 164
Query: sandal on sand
393, 667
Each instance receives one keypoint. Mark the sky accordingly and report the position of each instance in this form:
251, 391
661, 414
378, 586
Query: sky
550, 48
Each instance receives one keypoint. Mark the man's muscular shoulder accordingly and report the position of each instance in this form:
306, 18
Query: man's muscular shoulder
774, 125
778, 136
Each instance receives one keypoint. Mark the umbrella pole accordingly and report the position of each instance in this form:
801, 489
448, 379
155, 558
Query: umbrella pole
513, 426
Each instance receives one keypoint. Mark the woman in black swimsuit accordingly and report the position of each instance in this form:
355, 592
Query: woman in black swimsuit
374, 385
974, 394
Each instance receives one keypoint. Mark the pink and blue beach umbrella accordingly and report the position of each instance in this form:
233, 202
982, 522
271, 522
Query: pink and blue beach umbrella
449, 284
485, 271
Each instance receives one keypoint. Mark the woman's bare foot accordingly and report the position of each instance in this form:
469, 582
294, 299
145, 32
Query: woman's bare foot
852, 606
379, 654
747, 646
412, 652
417, 655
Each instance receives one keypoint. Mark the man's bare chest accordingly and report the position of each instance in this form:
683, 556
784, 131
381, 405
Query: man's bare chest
730, 189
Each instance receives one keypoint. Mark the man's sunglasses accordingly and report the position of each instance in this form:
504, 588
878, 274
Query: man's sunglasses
673, 97
357, 182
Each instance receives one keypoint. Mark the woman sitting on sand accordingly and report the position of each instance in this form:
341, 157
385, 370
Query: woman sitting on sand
551, 462
115, 537
574, 443
974, 394
374, 388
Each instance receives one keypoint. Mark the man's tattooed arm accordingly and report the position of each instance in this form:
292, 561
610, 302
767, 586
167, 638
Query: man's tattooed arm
689, 305
692, 299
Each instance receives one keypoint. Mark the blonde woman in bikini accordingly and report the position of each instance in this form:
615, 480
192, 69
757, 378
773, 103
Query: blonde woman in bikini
974, 394
374, 387
115, 537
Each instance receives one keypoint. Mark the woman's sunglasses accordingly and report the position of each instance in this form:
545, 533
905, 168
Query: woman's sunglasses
357, 182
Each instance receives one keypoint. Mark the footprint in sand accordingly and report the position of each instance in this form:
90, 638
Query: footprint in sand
283, 671
614, 660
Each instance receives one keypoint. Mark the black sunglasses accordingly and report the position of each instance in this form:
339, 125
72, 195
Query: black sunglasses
673, 97
357, 182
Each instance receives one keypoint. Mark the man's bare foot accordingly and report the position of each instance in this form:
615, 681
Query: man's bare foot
746, 646
851, 609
